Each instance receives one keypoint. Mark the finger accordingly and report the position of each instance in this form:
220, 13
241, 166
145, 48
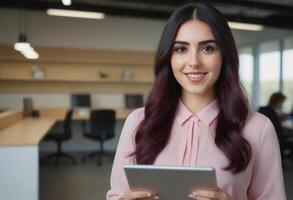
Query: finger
209, 194
152, 198
197, 197
202, 198
140, 194
137, 195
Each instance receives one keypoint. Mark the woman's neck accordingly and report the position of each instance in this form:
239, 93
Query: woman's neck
196, 103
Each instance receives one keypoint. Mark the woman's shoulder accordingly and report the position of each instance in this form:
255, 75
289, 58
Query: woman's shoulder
256, 118
257, 125
137, 115
132, 122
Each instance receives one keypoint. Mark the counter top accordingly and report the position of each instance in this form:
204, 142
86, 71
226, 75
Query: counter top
28, 131
10, 117
80, 114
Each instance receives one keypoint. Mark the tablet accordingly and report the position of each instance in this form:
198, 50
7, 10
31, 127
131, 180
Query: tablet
169, 182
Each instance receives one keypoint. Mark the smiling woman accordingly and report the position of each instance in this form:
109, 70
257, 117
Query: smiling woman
197, 115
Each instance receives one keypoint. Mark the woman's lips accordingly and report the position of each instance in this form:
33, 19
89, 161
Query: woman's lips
195, 76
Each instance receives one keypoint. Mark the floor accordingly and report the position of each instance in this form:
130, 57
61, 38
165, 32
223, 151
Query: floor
87, 181
83, 181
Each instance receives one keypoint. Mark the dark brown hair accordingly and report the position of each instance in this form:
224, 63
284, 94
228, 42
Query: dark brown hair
276, 98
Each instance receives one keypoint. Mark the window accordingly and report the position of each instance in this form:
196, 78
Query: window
246, 70
269, 72
288, 74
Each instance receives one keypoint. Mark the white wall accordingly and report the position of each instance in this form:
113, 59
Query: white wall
110, 33
39, 100
8, 100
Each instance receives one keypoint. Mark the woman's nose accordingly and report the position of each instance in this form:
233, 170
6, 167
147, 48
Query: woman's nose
194, 59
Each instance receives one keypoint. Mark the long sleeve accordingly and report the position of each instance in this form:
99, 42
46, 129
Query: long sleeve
267, 176
119, 183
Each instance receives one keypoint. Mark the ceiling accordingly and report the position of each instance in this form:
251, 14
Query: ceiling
271, 13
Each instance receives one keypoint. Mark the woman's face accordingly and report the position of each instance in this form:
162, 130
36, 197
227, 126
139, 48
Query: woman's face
196, 59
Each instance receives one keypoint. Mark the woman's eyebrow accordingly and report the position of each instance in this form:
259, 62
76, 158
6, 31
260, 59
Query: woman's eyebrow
207, 41
180, 42
199, 43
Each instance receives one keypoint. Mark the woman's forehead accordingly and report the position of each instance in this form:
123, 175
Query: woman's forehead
194, 30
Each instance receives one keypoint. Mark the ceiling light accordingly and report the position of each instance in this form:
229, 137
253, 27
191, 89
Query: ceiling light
76, 13
245, 26
21, 46
25, 48
66, 2
31, 54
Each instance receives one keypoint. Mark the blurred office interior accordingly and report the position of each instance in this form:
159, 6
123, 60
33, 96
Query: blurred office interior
89, 64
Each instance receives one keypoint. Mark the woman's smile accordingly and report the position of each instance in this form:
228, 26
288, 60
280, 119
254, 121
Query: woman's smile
196, 77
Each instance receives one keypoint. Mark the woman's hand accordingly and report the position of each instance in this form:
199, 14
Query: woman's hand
139, 195
210, 194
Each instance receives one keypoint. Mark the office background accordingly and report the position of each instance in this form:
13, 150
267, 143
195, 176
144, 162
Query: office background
136, 34
112, 57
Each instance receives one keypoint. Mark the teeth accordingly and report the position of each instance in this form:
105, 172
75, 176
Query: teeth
195, 75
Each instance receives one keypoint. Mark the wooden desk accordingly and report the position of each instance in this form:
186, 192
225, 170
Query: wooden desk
9, 117
59, 113
19, 153
28, 131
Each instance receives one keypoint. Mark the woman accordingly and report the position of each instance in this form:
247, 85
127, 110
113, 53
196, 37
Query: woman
197, 115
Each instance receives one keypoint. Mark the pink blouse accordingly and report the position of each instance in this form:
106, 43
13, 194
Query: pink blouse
192, 144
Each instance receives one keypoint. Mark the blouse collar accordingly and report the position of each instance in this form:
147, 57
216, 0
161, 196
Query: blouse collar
206, 115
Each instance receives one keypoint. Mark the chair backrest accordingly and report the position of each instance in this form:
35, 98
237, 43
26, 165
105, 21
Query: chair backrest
67, 123
102, 121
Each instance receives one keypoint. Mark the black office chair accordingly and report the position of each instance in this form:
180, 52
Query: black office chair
60, 132
102, 128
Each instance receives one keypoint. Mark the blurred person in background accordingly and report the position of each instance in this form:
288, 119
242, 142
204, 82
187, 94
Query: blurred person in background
274, 112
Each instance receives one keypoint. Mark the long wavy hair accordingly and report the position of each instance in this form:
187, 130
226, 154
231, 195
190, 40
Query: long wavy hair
153, 132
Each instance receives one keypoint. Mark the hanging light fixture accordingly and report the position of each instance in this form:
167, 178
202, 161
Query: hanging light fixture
23, 46
66, 2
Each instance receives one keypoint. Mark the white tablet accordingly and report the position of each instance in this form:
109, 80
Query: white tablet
169, 182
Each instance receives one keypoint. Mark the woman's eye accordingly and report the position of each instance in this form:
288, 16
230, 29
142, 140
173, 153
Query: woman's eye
180, 49
208, 49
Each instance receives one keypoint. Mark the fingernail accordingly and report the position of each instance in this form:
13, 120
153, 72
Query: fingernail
156, 197
195, 193
190, 196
